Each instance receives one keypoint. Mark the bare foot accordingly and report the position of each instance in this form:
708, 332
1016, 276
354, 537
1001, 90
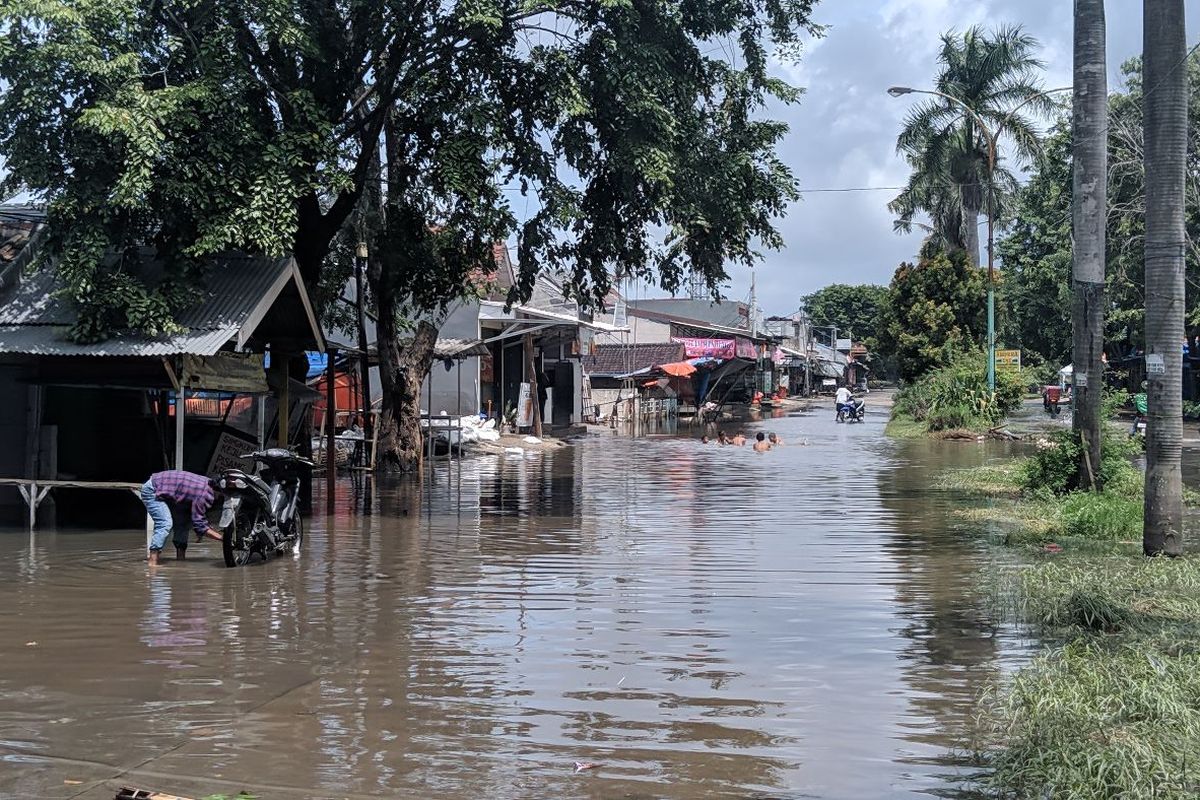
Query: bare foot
152, 559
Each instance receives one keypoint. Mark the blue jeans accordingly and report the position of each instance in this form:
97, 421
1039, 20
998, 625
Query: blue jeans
164, 520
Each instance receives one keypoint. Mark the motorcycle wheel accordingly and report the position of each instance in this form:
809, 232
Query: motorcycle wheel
298, 533
234, 547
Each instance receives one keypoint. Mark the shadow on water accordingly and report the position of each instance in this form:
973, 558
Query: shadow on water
697, 620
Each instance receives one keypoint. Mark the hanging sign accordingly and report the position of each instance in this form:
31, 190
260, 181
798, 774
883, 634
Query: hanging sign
525, 406
228, 454
1008, 360
1155, 364
707, 348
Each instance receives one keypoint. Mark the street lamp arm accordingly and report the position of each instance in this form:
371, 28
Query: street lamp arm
896, 91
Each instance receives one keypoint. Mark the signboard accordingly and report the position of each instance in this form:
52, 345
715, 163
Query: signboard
1008, 360
1155, 364
707, 348
227, 454
225, 372
525, 407
843, 344
746, 349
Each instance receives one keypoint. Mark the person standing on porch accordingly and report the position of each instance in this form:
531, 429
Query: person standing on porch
176, 493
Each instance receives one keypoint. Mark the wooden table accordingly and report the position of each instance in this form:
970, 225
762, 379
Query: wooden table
34, 491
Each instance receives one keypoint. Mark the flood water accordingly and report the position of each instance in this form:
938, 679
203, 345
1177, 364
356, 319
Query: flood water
698, 621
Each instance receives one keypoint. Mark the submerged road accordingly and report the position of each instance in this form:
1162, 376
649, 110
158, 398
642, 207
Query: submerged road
682, 620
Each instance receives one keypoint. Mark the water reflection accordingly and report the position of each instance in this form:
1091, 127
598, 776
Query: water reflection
698, 620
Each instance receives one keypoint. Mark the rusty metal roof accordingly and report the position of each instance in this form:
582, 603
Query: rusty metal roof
621, 359
35, 319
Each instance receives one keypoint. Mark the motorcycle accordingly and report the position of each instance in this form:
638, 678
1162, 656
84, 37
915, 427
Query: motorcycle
854, 411
260, 514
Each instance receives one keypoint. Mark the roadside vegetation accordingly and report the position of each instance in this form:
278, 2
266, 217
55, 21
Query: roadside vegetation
955, 398
1112, 707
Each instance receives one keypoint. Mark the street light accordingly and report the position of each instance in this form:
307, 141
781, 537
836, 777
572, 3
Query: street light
992, 137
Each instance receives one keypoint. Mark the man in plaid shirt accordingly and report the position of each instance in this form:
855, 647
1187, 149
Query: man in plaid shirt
175, 493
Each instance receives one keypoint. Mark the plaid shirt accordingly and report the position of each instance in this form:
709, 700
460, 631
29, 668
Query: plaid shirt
179, 487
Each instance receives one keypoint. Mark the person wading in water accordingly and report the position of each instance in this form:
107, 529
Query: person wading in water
177, 493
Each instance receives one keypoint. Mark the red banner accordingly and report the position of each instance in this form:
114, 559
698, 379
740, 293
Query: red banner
707, 348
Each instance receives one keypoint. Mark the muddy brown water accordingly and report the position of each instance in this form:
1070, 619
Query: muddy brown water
698, 621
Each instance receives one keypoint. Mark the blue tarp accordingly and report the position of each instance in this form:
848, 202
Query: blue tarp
316, 363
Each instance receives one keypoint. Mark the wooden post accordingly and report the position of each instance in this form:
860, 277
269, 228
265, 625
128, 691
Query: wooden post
283, 403
531, 379
330, 425
180, 413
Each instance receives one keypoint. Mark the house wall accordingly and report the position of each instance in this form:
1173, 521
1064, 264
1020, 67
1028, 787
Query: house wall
449, 394
14, 399
640, 331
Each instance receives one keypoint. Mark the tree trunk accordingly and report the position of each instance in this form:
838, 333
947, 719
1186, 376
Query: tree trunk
971, 234
1088, 218
402, 370
1165, 131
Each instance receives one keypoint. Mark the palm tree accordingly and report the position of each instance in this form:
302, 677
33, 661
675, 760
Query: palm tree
991, 73
1089, 213
1164, 121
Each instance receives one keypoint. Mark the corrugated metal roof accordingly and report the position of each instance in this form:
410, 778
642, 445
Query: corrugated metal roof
619, 359
459, 349
35, 320
51, 340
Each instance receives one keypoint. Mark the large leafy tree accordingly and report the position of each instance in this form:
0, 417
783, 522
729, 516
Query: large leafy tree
935, 310
853, 309
995, 75
582, 128
1036, 251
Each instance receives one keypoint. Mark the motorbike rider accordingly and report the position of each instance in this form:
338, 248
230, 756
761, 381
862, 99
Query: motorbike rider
177, 493
1050, 397
843, 398
1139, 410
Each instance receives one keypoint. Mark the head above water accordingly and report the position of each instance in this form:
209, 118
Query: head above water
772, 437
760, 436
704, 440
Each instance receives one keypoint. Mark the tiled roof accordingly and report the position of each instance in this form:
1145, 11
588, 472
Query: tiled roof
622, 359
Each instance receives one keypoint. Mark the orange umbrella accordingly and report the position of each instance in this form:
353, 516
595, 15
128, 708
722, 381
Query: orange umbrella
680, 369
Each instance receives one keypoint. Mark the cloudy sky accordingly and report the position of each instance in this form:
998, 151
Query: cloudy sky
843, 131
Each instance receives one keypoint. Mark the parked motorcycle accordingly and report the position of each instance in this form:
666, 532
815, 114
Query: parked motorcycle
260, 514
854, 411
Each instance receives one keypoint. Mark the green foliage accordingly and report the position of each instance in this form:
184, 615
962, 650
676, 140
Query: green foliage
957, 396
1036, 252
853, 309
202, 126
1101, 516
991, 73
935, 310
1054, 468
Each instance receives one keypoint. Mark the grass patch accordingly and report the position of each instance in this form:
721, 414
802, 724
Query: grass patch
902, 426
1113, 708
1155, 598
1094, 720
995, 479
